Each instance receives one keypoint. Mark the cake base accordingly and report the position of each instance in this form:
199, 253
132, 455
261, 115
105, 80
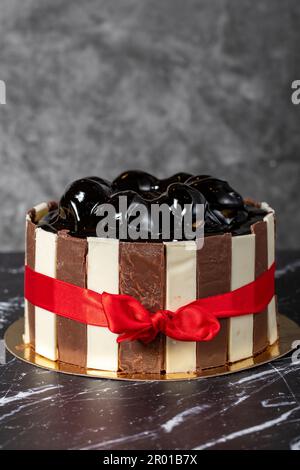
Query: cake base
289, 332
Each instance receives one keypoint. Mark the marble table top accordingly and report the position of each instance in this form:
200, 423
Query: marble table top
254, 409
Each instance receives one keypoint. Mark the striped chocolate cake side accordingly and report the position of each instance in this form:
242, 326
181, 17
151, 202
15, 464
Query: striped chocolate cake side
32, 218
142, 275
29, 331
213, 278
260, 320
102, 276
45, 321
242, 272
272, 307
181, 289
160, 275
71, 267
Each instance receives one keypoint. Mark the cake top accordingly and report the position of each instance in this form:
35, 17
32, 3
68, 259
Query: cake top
84, 208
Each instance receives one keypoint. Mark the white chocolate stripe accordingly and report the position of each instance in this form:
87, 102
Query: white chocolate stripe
40, 211
180, 289
272, 322
272, 317
26, 336
102, 275
265, 206
269, 219
242, 272
45, 322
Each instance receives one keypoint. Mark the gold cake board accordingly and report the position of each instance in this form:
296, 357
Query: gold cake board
289, 332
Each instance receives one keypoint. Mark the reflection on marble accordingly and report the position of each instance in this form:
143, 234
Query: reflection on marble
255, 409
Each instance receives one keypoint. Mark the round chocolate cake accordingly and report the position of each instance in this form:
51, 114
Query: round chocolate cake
74, 246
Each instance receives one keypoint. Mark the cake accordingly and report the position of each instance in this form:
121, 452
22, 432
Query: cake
68, 267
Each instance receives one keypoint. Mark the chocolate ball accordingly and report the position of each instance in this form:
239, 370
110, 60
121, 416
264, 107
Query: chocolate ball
79, 203
180, 207
135, 180
218, 193
177, 178
195, 179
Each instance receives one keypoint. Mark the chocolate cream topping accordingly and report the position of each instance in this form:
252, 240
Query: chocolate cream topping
225, 211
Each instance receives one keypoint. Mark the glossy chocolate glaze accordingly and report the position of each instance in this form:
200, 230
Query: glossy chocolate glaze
224, 208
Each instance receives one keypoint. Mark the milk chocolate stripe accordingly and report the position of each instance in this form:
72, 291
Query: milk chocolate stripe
260, 320
30, 260
71, 267
214, 277
142, 275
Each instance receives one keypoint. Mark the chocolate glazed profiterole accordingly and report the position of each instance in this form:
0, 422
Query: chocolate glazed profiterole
225, 210
159, 272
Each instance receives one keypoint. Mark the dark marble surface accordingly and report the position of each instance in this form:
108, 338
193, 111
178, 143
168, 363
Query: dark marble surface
99, 86
255, 409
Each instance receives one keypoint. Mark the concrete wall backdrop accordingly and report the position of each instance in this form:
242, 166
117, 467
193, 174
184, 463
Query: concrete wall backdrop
96, 87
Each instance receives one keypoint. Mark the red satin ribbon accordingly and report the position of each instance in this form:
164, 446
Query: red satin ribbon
125, 316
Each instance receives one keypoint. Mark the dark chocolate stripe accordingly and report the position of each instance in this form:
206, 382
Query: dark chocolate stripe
142, 275
260, 320
71, 267
214, 277
30, 260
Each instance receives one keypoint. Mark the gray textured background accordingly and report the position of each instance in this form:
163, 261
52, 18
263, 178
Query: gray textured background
97, 87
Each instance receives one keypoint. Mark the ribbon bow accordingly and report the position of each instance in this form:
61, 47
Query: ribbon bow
128, 318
